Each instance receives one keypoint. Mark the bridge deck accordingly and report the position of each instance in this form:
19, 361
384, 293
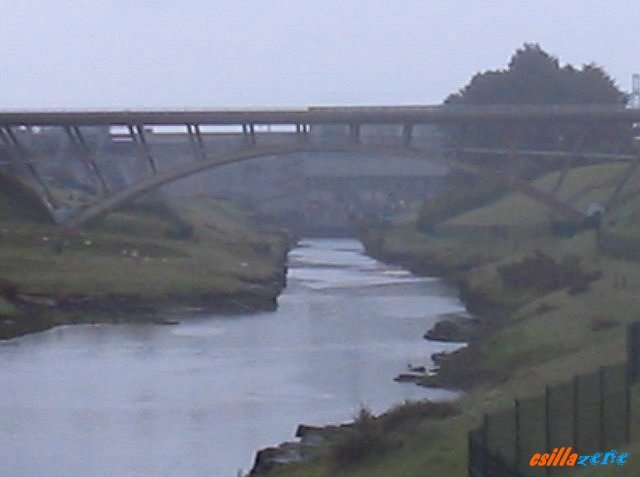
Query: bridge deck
325, 115
252, 144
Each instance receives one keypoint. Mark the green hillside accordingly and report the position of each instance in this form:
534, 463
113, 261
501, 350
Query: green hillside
581, 187
535, 333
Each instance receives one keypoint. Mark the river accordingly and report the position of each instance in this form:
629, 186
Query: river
199, 398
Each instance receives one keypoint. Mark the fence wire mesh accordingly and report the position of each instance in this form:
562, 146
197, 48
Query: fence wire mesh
590, 413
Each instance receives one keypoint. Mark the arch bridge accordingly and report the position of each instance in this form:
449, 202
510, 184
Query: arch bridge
216, 138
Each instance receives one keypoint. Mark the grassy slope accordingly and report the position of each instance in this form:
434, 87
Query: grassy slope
581, 187
545, 339
142, 261
137, 255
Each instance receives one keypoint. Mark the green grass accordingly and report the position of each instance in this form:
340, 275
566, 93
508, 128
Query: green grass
532, 351
41, 260
7, 310
539, 339
189, 252
580, 188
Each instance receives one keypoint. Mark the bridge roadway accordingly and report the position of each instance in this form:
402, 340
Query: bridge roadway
300, 121
325, 115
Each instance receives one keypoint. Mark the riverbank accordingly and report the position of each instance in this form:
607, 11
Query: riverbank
549, 307
453, 263
528, 340
195, 253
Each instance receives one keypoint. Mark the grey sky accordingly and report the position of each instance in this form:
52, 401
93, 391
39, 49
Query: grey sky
253, 53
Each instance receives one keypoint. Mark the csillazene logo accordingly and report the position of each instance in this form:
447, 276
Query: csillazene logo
564, 456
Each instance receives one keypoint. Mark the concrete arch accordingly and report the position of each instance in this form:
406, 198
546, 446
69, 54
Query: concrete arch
125, 196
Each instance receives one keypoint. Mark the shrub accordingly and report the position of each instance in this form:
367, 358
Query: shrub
600, 323
179, 229
414, 411
363, 440
542, 272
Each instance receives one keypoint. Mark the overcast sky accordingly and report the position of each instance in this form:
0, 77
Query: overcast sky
256, 53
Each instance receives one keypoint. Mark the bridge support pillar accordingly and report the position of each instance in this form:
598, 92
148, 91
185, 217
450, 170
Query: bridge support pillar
407, 133
16, 166
568, 162
354, 133
302, 131
10, 139
514, 159
197, 144
84, 154
196, 127
249, 133
137, 135
625, 176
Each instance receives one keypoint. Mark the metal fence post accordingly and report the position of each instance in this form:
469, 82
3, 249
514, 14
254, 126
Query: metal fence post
485, 445
627, 391
470, 454
485, 462
601, 380
632, 350
517, 435
576, 414
547, 423
630, 360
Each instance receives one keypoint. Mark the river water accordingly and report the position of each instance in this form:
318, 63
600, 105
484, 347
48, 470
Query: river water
199, 398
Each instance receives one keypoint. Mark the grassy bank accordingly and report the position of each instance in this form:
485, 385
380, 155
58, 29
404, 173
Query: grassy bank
191, 252
551, 306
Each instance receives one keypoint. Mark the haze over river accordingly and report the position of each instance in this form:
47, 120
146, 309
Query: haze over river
199, 398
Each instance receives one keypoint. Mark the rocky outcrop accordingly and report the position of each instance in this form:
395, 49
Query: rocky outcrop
270, 457
311, 442
409, 378
456, 329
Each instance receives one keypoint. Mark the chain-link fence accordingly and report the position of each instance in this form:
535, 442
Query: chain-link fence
590, 413
633, 351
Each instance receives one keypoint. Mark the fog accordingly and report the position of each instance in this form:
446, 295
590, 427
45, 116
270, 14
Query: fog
202, 53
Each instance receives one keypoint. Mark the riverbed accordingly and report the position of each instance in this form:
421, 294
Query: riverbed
200, 397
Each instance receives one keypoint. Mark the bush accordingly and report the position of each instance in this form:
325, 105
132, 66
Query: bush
414, 411
541, 272
176, 227
179, 229
363, 440
600, 323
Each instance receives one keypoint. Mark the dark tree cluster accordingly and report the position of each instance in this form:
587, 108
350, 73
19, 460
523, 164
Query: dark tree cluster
534, 77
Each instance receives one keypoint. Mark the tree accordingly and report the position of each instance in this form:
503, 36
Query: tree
535, 77
532, 77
